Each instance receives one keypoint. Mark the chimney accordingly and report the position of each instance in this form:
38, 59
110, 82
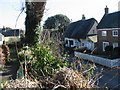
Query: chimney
83, 17
106, 10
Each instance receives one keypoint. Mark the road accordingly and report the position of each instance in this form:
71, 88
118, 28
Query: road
110, 76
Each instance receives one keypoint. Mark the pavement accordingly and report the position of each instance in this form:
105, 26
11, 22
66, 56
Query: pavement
9, 71
110, 76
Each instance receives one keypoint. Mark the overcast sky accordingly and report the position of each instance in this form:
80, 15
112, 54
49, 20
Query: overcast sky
10, 9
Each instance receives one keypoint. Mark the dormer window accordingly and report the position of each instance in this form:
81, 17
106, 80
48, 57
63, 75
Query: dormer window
115, 33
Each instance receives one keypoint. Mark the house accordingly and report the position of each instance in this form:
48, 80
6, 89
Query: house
11, 35
1, 39
109, 30
81, 33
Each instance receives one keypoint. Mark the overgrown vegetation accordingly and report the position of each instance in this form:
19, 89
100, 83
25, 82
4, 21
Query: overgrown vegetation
41, 59
47, 63
110, 52
44, 60
51, 72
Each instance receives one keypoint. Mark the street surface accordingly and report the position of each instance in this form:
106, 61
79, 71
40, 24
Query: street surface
110, 76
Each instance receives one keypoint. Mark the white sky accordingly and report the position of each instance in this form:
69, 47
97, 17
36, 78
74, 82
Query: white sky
71, 8
9, 11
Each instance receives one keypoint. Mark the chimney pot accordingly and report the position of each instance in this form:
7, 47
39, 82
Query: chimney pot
106, 10
83, 17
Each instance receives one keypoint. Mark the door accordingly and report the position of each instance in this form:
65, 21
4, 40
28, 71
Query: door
105, 44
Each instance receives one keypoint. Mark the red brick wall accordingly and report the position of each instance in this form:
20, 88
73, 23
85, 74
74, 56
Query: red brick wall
109, 38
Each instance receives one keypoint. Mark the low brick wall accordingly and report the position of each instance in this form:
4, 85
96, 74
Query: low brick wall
99, 60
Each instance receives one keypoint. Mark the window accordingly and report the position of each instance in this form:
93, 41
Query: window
66, 41
115, 32
115, 44
71, 42
105, 44
104, 33
82, 44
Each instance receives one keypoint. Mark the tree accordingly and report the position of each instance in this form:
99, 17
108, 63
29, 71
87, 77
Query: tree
34, 13
6, 28
58, 22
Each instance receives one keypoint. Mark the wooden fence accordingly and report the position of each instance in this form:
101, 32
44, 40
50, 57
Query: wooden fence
99, 60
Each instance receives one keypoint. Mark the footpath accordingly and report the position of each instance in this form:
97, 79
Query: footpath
9, 71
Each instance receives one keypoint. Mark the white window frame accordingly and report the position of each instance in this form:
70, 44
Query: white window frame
73, 41
115, 33
68, 44
104, 33
115, 44
107, 44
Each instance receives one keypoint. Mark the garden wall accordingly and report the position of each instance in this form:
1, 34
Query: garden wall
99, 60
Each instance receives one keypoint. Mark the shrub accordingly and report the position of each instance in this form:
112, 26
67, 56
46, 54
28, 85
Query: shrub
108, 48
116, 52
109, 51
70, 50
42, 61
117, 49
81, 49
